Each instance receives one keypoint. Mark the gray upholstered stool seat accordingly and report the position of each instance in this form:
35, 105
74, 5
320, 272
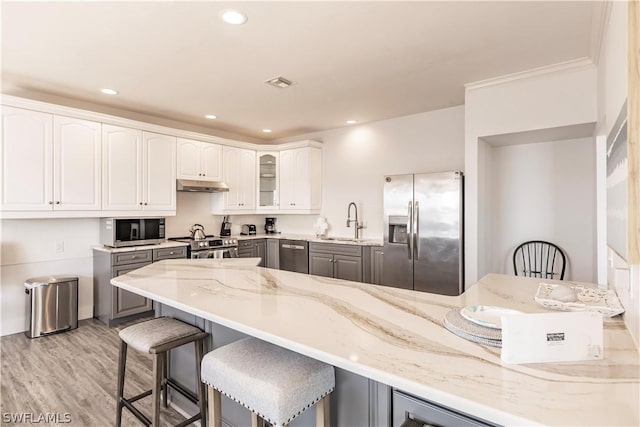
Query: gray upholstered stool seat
274, 383
158, 337
152, 334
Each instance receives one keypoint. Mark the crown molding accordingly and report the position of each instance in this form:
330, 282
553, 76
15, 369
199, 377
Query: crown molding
561, 67
45, 107
599, 24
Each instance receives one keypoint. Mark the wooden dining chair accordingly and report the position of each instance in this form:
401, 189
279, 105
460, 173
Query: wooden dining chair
538, 258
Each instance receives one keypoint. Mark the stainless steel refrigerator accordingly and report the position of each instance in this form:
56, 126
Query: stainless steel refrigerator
423, 232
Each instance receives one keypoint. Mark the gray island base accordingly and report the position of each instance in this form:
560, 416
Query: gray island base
393, 355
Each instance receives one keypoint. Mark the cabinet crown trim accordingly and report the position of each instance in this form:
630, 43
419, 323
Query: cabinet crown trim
45, 107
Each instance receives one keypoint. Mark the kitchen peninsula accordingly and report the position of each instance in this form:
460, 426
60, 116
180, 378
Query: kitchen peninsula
395, 337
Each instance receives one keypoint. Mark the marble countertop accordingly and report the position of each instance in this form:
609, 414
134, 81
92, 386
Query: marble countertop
167, 244
313, 238
396, 337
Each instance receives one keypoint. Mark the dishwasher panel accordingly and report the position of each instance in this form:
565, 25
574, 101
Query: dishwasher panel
294, 255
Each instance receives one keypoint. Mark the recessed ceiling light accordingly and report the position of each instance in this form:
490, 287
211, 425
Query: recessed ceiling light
233, 17
109, 91
210, 116
351, 122
266, 130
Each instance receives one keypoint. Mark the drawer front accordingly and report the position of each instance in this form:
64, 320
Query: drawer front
246, 253
427, 413
169, 253
333, 248
245, 244
133, 257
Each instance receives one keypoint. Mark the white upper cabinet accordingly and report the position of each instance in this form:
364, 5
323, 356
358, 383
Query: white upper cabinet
121, 168
199, 160
58, 162
159, 171
268, 167
77, 166
301, 180
49, 163
27, 160
240, 176
138, 170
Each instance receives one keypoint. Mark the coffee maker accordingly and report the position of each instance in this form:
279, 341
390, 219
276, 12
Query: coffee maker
270, 225
225, 228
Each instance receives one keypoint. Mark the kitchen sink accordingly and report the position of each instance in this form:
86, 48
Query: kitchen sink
342, 239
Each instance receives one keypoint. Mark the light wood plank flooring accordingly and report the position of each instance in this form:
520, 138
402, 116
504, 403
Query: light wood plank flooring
75, 373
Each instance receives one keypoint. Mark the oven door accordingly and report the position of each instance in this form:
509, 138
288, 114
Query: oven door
224, 253
201, 254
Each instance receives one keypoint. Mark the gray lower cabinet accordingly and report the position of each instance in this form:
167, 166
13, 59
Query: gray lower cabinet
273, 253
113, 305
376, 264
336, 260
356, 400
253, 248
407, 407
124, 303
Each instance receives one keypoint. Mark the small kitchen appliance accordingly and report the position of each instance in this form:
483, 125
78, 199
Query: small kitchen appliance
248, 230
210, 247
270, 226
121, 232
225, 229
197, 232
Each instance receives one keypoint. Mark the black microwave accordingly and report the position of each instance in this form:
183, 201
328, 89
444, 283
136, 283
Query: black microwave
119, 232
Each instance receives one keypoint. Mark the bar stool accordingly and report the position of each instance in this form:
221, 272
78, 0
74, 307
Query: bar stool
158, 337
275, 384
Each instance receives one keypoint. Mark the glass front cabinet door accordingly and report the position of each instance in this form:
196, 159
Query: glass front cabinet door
268, 180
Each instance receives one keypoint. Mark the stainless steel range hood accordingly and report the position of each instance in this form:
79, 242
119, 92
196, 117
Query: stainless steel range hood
201, 186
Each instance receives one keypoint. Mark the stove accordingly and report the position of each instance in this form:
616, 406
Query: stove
210, 247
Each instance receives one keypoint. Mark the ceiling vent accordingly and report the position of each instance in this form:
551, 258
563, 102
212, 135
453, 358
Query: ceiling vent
279, 82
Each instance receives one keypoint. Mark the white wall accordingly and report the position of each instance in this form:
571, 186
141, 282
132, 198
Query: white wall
544, 191
28, 250
355, 159
612, 92
354, 162
541, 99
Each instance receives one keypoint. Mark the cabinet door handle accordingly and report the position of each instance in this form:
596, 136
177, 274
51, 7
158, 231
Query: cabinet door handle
171, 253
145, 203
58, 202
133, 257
51, 202
140, 203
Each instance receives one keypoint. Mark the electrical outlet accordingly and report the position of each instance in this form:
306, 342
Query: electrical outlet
60, 247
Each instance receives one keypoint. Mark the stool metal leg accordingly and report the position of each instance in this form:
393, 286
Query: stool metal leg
122, 363
215, 408
322, 412
165, 375
157, 384
202, 389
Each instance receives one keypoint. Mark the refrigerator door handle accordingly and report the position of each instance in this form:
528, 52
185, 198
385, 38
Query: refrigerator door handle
410, 229
416, 229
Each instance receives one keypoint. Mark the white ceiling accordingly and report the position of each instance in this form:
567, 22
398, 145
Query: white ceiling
348, 60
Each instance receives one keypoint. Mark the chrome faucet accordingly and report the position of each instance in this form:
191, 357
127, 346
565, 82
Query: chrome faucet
349, 220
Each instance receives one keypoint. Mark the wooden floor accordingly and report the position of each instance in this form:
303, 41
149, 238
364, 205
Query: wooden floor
73, 373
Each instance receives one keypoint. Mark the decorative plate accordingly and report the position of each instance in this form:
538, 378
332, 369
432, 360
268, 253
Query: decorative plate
486, 315
604, 301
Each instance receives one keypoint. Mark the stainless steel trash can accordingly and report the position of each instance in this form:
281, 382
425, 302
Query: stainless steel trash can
52, 305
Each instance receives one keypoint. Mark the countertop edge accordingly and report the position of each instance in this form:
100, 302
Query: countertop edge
311, 238
480, 411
